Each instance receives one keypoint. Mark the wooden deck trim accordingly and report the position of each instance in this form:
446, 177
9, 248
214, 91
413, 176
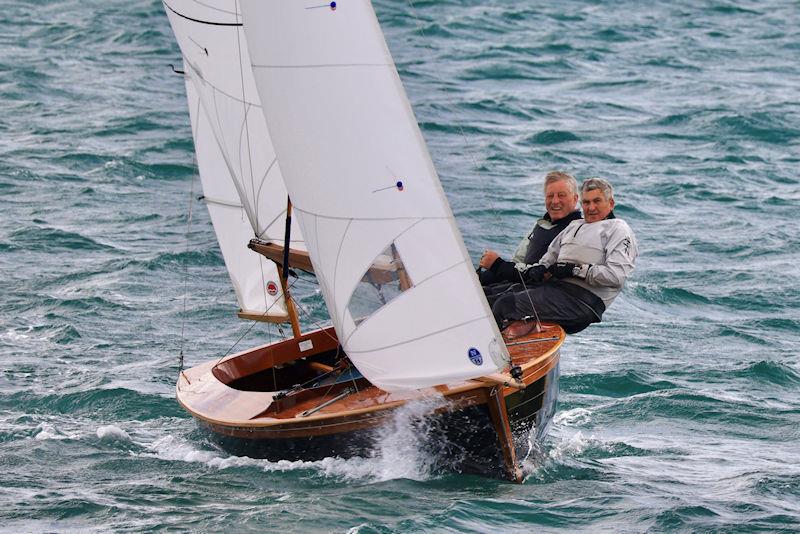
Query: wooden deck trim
501, 379
261, 317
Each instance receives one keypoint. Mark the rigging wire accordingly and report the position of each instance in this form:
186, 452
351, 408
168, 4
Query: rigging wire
249, 328
316, 323
530, 300
468, 147
186, 276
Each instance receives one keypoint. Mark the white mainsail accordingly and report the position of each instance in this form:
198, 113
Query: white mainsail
241, 179
393, 269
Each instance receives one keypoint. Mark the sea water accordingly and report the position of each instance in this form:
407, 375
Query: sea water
680, 412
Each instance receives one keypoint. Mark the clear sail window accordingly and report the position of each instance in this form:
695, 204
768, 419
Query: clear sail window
385, 279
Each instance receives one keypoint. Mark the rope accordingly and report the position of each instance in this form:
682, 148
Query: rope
530, 300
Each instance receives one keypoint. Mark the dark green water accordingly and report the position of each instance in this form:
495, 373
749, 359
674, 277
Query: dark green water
680, 412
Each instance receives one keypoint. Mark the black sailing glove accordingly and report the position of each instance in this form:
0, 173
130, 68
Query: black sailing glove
535, 274
504, 271
567, 270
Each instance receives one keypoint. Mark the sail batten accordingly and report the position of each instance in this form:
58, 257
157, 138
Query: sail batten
393, 269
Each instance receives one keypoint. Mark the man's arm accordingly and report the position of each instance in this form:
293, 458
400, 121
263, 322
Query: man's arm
500, 270
620, 255
621, 252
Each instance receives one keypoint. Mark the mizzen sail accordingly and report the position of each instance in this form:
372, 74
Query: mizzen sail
241, 178
392, 266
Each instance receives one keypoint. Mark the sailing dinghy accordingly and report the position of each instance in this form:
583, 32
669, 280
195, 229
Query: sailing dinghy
302, 99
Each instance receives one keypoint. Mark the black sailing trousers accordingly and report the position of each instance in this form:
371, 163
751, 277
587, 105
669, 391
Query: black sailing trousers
568, 305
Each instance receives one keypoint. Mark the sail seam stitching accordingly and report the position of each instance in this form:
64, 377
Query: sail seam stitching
369, 218
375, 349
336, 266
214, 8
261, 186
196, 74
321, 65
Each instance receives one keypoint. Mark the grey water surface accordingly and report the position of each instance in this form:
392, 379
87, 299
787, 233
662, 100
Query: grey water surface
680, 412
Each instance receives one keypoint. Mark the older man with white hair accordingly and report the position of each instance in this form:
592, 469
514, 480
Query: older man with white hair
580, 275
560, 201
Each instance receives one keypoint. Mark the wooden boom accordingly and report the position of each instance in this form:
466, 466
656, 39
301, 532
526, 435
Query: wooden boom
297, 258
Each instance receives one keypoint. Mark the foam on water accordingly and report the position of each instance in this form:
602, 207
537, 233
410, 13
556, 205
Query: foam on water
399, 450
398, 453
16, 336
571, 445
47, 432
112, 433
172, 448
574, 417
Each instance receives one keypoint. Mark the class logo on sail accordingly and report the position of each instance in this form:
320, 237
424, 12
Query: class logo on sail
272, 288
475, 356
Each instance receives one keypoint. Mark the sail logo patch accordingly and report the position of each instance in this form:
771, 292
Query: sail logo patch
272, 288
475, 356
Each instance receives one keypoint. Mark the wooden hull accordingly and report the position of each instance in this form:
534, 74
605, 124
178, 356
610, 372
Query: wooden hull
481, 427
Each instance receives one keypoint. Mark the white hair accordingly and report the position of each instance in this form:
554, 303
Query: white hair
559, 176
590, 184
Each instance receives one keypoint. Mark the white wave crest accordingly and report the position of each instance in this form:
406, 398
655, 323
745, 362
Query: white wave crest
48, 431
112, 433
571, 446
398, 451
574, 417
16, 336
174, 449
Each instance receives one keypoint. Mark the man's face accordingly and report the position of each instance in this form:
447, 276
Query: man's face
559, 200
595, 206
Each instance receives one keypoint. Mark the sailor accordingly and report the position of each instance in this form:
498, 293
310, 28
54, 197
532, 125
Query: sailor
581, 273
560, 200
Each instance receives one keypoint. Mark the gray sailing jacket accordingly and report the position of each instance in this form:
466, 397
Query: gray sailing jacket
607, 248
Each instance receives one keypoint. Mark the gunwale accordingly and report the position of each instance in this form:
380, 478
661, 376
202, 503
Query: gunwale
202, 381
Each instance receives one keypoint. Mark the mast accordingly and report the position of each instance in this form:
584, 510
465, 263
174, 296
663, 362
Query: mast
283, 270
